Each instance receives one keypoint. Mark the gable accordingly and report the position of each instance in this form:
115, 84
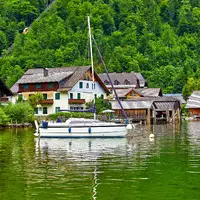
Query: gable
132, 94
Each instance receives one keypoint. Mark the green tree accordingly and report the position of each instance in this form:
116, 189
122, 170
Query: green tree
35, 99
189, 87
14, 75
133, 35
20, 112
101, 104
3, 117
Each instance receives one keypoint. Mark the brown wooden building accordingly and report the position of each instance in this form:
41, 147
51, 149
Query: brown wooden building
149, 109
4, 92
193, 104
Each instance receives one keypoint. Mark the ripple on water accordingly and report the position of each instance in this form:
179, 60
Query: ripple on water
166, 168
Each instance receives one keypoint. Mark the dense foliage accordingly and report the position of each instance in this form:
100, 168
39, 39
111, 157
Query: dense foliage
19, 113
65, 115
3, 117
35, 99
159, 38
100, 105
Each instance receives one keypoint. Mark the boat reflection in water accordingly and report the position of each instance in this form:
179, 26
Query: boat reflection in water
80, 155
90, 148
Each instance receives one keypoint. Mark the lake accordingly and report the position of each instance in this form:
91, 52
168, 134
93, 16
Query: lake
136, 167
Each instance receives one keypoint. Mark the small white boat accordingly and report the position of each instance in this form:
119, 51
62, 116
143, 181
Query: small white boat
81, 128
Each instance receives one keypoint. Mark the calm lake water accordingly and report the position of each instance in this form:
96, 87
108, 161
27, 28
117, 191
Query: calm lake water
167, 167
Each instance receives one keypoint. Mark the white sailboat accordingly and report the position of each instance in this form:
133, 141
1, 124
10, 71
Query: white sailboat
80, 127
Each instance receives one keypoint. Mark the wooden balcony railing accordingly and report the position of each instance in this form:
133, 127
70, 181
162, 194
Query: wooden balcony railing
76, 101
46, 101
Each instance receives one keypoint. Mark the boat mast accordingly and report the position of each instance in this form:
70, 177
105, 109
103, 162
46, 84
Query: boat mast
92, 65
123, 111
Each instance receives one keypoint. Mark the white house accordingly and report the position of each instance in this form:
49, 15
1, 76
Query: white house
65, 88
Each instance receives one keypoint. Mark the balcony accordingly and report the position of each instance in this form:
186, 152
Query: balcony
3, 99
46, 101
76, 101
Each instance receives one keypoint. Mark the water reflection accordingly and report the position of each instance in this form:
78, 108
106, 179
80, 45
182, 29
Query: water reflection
84, 149
165, 167
82, 155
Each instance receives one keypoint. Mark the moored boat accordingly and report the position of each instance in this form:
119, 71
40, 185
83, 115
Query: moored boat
80, 127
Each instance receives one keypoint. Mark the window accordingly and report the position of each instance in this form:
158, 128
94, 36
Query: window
106, 82
36, 111
87, 85
45, 96
126, 82
57, 96
44, 110
116, 82
93, 86
20, 97
38, 86
79, 96
71, 107
102, 96
71, 95
80, 84
50, 85
57, 109
26, 86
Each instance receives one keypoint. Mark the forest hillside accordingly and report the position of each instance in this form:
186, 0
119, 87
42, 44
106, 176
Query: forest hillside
159, 38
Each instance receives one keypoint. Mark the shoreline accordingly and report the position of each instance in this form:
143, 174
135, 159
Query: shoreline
25, 125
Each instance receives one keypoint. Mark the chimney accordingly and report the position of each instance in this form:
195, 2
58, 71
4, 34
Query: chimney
45, 72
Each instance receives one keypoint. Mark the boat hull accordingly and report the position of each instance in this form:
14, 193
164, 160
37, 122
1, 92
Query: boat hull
83, 132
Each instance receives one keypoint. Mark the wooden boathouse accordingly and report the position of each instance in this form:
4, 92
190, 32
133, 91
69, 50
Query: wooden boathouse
149, 109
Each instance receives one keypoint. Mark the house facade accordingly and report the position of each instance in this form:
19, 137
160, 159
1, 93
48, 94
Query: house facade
66, 88
5, 93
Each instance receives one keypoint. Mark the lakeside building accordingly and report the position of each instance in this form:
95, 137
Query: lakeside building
193, 104
64, 88
178, 96
5, 93
149, 109
124, 80
139, 102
